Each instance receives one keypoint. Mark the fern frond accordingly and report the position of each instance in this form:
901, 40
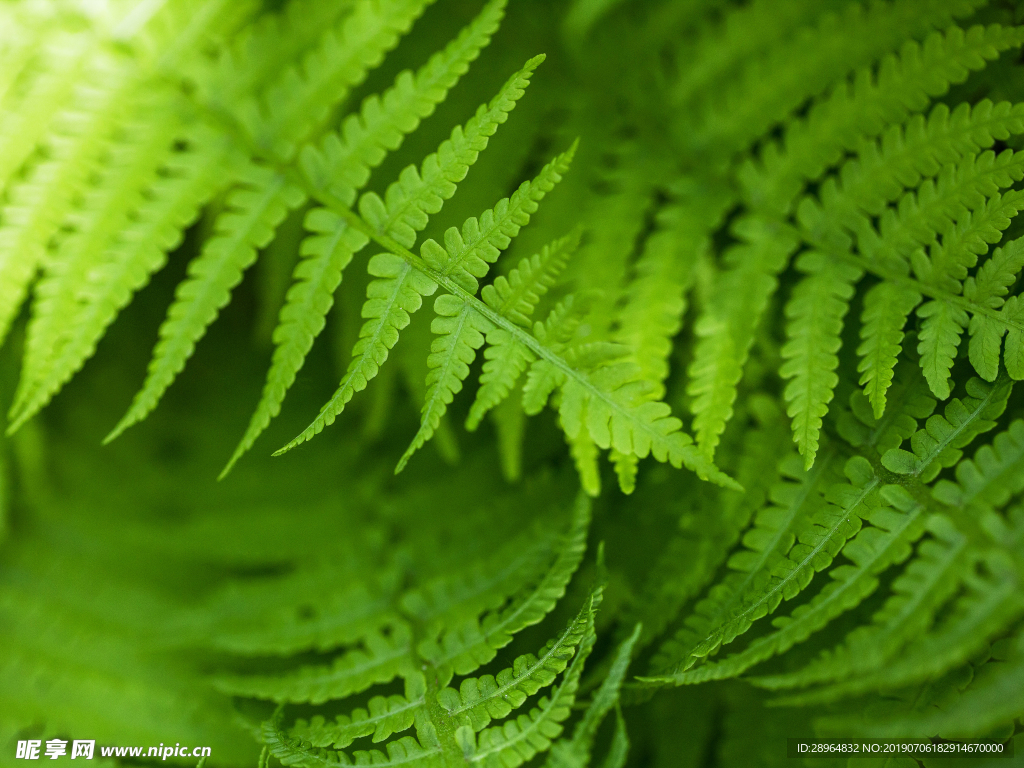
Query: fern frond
910, 401
455, 598
928, 581
894, 525
300, 98
886, 309
284, 627
936, 207
382, 657
949, 263
408, 202
187, 179
464, 260
577, 750
991, 700
397, 291
992, 477
699, 546
742, 36
920, 149
341, 162
515, 297
815, 314
460, 334
263, 49
37, 204
864, 108
468, 646
725, 330
721, 616
382, 717
324, 256
655, 299
254, 210
290, 750
505, 361
132, 167
337, 169
617, 416
941, 330
990, 603
403, 212
940, 444
996, 275
519, 740
480, 700
61, 61
837, 43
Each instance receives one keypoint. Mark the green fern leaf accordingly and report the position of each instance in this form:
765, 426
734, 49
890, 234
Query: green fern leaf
299, 100
37, 204
382, 717
456, 598
519, 740
894, 525
317, 276
105, 210
721, 616
516, 296
991, 602
263, 49
461, 332
697, 549
1013, 354
466, 647
863, 108
409, 201
340, 165
465, 259
993, 280
990, 701
289, 750
935, 207
402, 213
139, 250
950, 262
656, 297
577, 750
480, 700
940, 444
64, 56
824, 52
907, 155
886, 308
337, 170
991, 478
919, 591
725, 330
505, 361
397, 292
815, 315
380, 660
277, 622
254, 212
941, 330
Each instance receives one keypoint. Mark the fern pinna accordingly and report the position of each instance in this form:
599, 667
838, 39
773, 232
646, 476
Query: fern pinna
787, 228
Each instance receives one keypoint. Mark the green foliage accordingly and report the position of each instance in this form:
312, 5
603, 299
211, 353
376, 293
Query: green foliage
786, 228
